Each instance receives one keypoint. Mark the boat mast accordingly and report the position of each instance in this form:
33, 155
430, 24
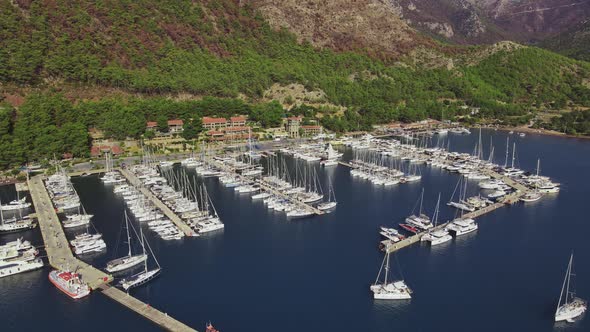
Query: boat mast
436, 210
386, 269
538, 165
421, 199
507, 150
143, 247
565, 282
128, 236
513, 151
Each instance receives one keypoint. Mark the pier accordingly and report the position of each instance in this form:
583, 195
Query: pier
145, 310
56, 244
133, 180
269, 188
60, 257
512, 198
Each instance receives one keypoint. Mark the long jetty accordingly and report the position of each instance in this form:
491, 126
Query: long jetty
61, 257
186, 229
512, 198
56, 244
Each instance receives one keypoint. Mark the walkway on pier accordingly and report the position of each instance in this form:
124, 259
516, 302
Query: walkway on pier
186, 229
56, 244
145, 310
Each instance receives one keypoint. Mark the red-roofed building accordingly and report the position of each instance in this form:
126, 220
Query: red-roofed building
238, 121
151, 125
214, 123
311, 130
98, 150
175, 126
229, 133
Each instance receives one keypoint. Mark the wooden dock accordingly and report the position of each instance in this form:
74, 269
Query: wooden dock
133, 180
60, 257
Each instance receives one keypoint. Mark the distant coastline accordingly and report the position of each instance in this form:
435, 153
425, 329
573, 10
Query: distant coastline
528, 130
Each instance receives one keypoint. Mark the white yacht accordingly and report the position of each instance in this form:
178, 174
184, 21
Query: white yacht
569, 306
386, 290
462, 226
262, 195
438, 236
145, 275
421, 220
15, 266
128, 261
532, 196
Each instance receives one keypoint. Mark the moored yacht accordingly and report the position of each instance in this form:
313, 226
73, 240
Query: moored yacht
145, 275
462, 226
128, 261
438, 236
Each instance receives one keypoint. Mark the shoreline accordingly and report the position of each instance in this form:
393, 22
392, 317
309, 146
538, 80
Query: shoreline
545, 132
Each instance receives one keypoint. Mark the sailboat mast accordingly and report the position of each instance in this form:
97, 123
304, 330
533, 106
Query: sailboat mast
128, 236
565, 282
513, 152
421, 199
507, 150
386, 269
538, 165
143, 247
569, 275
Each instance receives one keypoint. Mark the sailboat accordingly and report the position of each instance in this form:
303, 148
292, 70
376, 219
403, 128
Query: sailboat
129, 261
13, 225
420, 221
462, 203
17, 204
331, 203
145, 275
572, 306
438, 236
396, 290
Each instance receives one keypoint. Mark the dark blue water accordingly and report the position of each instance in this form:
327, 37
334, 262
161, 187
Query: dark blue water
266, 273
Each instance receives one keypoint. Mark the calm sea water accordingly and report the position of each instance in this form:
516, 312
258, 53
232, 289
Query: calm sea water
266, 273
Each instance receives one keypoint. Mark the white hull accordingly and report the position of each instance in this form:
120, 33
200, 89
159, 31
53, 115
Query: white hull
21, 267
568, 312
125, 263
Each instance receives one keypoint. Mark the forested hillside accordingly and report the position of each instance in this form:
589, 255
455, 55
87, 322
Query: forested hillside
217, 48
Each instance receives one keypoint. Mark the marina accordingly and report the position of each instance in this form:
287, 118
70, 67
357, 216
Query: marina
61, 258
363, 208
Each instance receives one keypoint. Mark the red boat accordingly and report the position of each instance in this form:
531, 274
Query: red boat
69, 283
210, 328
409, 228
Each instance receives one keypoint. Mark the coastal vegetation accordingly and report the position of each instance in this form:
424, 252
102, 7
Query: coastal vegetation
228, 56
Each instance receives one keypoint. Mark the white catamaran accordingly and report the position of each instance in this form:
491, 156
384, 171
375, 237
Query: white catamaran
572, 306
396, 290
129, 261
